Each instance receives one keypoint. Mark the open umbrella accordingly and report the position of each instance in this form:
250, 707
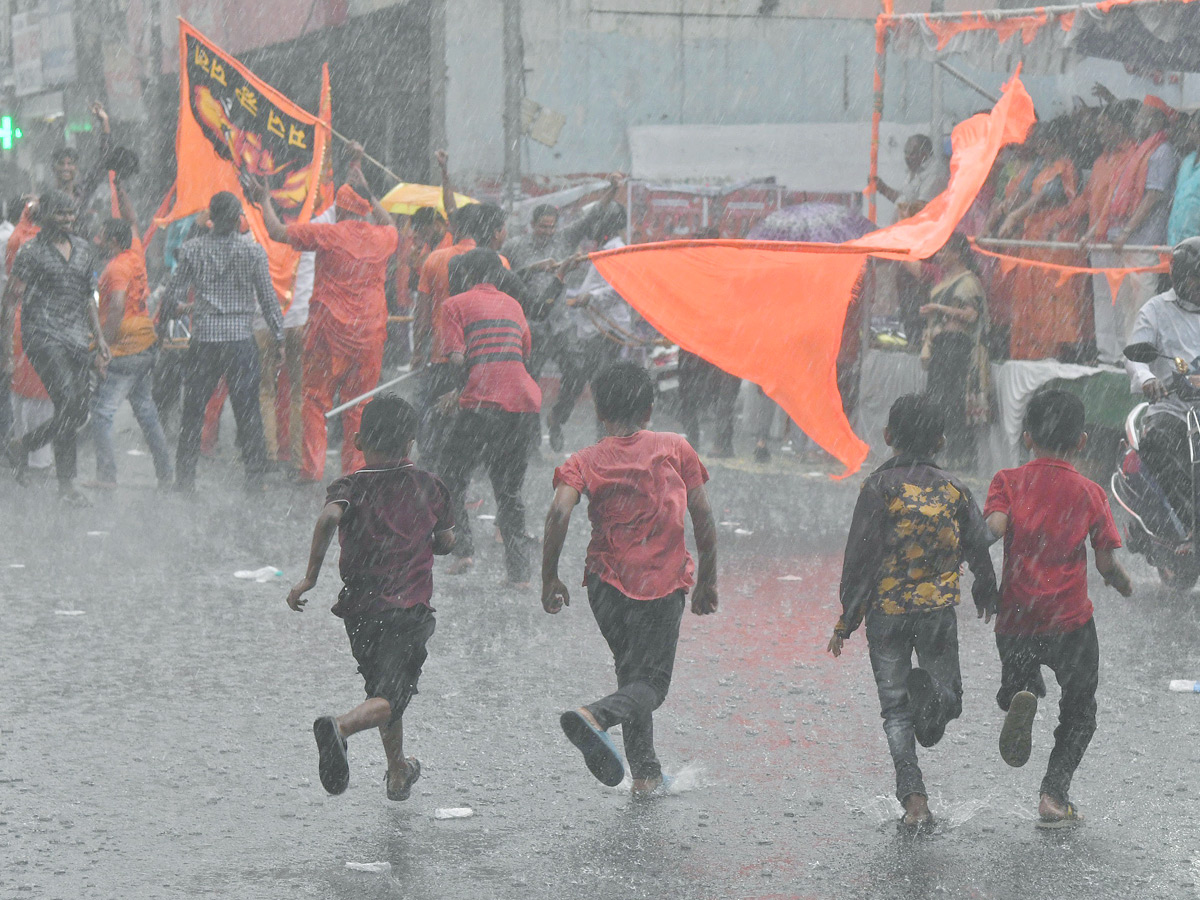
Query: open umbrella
406, 198
829, 223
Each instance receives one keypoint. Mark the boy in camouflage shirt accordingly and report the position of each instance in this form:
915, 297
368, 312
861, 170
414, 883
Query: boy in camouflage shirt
913, 527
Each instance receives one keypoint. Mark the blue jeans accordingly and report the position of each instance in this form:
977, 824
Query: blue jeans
891, 641
128, 377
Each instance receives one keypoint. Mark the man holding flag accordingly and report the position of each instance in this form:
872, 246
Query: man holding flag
348, 311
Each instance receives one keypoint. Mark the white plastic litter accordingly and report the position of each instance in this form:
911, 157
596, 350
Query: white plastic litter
16, 565
454, 812
728, 524
135, 452
375, 868
97, 533
743, 531
1185, 687
69, 612
262, 576
487, 518
790, 578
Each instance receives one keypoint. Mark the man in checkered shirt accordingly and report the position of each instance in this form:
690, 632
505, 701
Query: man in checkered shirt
228, 276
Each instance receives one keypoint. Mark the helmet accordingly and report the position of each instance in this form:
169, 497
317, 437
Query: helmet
1185, 268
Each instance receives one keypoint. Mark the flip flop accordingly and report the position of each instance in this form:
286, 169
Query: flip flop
925, 826
334, 764
405, 791
924, 703
599, 752
1072, 819
1016, 735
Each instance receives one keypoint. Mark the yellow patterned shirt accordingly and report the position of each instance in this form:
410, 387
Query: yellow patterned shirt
913, 527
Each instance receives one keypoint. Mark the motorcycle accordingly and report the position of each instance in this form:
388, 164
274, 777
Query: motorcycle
1153, 529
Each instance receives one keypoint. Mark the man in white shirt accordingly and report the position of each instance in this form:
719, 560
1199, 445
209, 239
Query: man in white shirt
927, 177
603, 323
1171, 322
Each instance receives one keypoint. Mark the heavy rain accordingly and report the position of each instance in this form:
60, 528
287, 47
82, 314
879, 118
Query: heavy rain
759, 437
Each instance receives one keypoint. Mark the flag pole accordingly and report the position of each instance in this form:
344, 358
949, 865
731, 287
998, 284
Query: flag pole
350, 404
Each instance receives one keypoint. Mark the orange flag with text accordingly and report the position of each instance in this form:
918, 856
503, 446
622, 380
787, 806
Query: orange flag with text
773, 312
232, 124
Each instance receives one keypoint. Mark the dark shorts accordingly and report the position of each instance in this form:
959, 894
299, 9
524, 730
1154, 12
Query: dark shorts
390, 650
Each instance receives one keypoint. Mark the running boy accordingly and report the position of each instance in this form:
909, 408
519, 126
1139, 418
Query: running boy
913, 526
638, 484
1045, 510
391, 519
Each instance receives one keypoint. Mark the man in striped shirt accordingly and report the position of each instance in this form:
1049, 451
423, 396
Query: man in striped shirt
486, 338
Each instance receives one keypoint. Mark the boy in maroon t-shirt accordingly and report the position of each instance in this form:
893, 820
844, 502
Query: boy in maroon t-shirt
1045, 510
638, 484
391, 519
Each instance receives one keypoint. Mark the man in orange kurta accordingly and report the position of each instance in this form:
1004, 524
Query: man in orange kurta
347, 324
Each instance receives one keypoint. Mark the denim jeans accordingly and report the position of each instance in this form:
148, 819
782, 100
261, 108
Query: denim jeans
66, 373
891, 641
1074, 658
128, 377
203, 367
642, 635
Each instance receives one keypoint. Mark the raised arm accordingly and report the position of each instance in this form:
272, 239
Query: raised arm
99, 169
449, 202
323, 533
125, 206
357, 180
558, 519
574, 233
259, 194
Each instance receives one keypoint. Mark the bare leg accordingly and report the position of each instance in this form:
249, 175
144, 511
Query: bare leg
393, 746
373, 713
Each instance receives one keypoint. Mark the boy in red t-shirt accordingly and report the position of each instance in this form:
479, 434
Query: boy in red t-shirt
1045, 510
638, 484
391, 519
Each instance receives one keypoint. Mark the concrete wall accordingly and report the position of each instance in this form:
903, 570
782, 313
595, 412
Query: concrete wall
611, 65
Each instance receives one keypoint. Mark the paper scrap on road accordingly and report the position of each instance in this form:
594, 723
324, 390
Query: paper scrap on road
374, 868
69, 612
487, 518
454, 812
262, 576
135, 452
743, 531
790, 578
97, 533
16, 565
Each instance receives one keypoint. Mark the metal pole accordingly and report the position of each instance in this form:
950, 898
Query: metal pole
975, 86
1001, 243
877, 113
349, 404
514, 71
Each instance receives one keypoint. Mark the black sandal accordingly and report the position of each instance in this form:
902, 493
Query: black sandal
334, 764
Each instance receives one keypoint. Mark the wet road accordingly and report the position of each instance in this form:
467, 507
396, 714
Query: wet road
155, 713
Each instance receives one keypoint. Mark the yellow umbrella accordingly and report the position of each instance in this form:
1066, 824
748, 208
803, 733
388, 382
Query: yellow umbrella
405, 198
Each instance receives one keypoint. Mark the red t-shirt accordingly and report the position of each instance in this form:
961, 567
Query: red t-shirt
348, 298
488, 327
1051, 510
637, 489
435, 282
386, 535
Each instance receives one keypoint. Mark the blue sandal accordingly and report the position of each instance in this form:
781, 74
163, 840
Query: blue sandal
599, 752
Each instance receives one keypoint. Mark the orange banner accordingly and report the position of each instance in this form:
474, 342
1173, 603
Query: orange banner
231, 123
773, 312
1065, 273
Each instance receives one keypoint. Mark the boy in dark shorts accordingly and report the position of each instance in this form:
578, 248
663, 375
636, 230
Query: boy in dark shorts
638, 484
1045, 511
391, 519
913, 527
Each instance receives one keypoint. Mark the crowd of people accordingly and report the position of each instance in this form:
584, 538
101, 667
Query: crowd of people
1107, 188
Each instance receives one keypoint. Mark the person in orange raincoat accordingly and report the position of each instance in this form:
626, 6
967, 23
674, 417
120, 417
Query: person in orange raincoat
347, 326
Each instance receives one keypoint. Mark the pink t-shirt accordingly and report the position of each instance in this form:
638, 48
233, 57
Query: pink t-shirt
637, 489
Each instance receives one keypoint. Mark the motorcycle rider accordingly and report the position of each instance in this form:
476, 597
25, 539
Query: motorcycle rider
1171, 322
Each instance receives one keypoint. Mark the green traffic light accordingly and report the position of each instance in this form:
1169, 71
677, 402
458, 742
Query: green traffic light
8, 133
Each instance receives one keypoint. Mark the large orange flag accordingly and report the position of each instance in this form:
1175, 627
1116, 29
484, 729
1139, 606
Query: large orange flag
231, 122
773, 312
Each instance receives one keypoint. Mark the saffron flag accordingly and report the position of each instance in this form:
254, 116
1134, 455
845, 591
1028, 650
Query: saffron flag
231, 124
773, 312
